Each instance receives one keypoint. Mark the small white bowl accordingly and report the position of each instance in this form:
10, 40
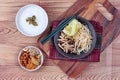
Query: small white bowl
41, 57
28, 11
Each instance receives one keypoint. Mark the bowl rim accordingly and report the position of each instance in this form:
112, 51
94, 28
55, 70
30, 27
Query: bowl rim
41, 54
21, 10
71, 56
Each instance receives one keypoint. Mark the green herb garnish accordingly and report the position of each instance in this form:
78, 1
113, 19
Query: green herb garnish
32, 20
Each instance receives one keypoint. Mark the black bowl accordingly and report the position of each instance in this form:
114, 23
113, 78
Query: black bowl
82, 55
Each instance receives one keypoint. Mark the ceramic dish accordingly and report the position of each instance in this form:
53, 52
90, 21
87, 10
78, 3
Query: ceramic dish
29, 11
39, 52
82, 55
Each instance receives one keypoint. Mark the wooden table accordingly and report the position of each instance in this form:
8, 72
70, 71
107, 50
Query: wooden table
11, 41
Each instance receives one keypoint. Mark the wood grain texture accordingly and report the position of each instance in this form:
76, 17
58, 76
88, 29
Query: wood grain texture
11, 41
115, 3
110, 31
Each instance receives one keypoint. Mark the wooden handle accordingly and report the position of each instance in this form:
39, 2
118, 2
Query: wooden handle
104, 11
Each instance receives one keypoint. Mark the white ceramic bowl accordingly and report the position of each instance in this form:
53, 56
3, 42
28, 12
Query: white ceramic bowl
41, 61
28, 11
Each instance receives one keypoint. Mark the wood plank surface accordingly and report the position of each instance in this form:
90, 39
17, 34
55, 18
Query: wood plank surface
102, 14
11, 41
